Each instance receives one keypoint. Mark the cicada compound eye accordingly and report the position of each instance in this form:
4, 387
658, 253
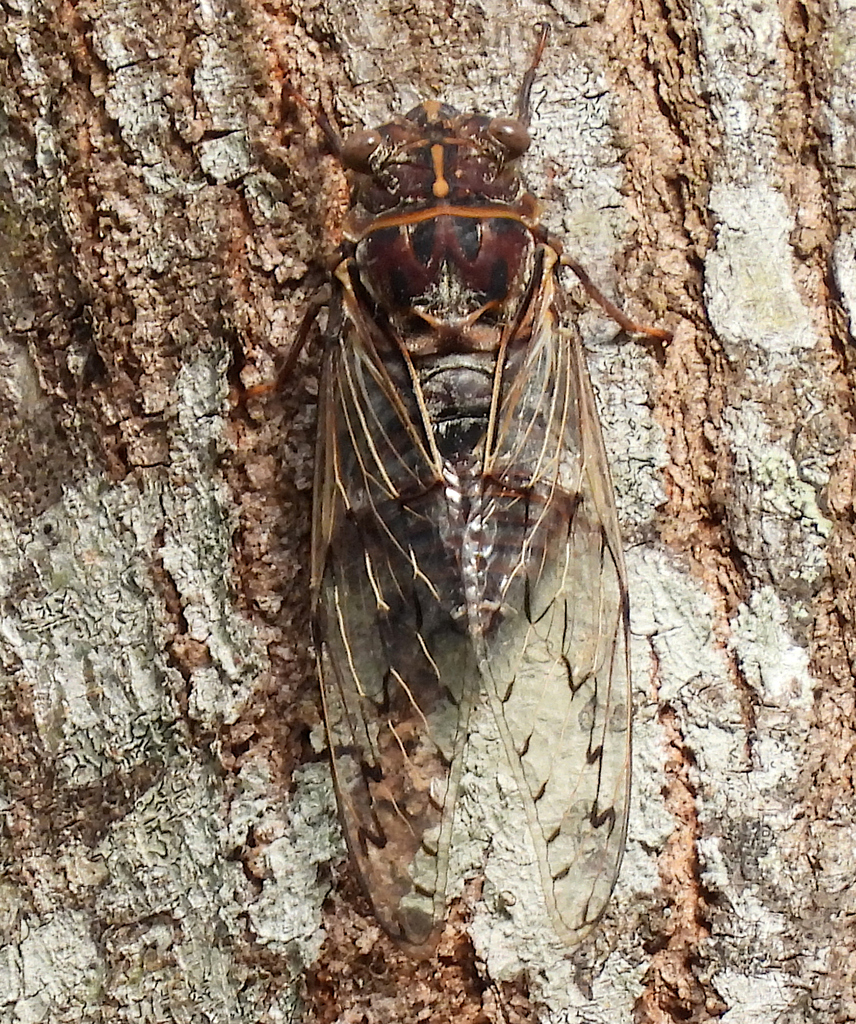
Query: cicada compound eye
357, 149
511, 134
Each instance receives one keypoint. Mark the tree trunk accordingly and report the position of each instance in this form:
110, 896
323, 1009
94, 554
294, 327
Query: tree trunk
170, 848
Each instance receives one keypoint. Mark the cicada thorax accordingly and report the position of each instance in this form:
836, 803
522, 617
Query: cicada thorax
443, 232
442, 239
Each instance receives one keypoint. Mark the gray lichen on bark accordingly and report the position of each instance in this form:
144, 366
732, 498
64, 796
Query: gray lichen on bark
168, 831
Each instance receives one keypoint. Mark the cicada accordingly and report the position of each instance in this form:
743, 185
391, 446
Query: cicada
466, 550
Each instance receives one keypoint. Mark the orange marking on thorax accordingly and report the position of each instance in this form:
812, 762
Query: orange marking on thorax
440, 187
432, 109
487, 212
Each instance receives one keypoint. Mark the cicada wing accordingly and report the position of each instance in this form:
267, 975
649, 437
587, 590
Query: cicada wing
556, 661
397, 669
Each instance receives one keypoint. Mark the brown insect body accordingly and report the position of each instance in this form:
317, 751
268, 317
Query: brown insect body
442, 230
466, 552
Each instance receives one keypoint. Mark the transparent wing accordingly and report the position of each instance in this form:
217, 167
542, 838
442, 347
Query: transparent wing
520, 602
555, 662
398, 671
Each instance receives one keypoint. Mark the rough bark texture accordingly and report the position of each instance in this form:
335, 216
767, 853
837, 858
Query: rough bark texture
169, 845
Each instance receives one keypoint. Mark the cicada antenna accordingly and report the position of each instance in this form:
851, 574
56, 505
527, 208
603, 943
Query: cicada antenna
321, 119
524, 108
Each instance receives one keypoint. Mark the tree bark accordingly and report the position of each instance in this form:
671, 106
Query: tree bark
169, 848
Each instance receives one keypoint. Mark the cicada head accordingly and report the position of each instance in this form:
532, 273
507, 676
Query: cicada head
434, 153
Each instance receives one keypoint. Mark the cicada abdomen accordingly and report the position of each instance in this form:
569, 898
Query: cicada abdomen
466, 552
